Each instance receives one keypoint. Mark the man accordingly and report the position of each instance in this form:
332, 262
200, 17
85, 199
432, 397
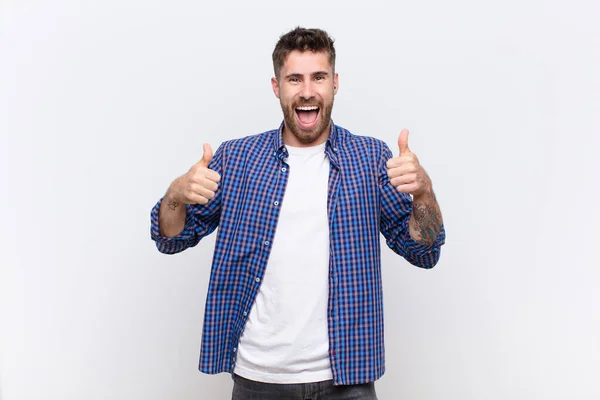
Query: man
294, 303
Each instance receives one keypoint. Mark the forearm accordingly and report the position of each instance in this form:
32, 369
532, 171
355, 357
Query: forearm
426, 218
171, 216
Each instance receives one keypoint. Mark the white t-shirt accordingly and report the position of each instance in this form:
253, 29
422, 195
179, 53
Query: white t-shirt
285, 339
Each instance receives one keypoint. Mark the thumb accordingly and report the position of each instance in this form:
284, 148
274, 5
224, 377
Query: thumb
403, 142
207, 156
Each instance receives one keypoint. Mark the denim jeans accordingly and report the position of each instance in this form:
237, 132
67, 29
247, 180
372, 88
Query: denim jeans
245, 389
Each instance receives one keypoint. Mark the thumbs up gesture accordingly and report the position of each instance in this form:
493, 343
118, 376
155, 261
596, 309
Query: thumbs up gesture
405, 172
199, 184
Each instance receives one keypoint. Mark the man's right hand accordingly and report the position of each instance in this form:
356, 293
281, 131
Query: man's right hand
198, 185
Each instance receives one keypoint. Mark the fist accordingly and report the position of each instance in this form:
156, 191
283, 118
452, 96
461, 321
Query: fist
405, 172
199, 184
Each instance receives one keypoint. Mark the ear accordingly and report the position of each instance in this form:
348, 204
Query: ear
336, 83
275, 86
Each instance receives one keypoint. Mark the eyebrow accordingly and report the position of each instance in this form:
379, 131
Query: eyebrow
296, 75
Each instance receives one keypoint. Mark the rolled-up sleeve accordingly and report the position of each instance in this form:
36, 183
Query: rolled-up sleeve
396, 209
200, 221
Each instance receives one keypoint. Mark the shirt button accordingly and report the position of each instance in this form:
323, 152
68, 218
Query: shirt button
234, 349
276, 202
245, 313
257, 279
266, 242
283, 169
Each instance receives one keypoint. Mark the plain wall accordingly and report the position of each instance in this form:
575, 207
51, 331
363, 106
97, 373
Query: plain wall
104, 103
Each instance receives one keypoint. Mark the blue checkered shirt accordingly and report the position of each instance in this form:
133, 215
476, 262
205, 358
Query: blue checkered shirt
361, 203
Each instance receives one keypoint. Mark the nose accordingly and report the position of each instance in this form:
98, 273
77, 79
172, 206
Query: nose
307, 91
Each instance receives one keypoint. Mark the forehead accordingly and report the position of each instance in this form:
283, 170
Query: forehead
305, 62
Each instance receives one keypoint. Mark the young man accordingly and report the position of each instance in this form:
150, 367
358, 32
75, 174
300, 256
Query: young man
294, 304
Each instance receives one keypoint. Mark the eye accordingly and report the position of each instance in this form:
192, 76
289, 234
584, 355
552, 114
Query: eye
294, 80
320, 77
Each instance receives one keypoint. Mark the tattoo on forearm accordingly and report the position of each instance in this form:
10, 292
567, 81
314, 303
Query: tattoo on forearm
173, 205
427, 223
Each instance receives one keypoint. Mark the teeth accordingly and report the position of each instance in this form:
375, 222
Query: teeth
307, 108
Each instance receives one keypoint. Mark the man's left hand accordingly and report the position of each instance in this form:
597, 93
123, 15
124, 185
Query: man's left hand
405, 172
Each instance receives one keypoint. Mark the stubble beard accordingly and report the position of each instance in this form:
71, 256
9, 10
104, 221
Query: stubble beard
304, 136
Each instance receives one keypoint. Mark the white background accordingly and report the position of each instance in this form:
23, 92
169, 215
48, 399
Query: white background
103, 104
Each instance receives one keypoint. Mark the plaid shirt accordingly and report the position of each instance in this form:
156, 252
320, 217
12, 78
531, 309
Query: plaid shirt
361, 203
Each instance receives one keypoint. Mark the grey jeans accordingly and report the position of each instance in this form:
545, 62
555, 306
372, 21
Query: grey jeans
245, 389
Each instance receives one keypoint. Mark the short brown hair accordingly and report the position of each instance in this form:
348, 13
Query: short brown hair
302, 39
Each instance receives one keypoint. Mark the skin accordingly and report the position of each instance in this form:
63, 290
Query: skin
307, 78
197, 186
408, 176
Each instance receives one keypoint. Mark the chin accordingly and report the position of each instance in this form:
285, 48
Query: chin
308, 136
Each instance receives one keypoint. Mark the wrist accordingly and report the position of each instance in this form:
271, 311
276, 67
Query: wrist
426, 196
171, 195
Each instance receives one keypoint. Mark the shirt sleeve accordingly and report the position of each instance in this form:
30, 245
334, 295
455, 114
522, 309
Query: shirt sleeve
200, 221
396, 209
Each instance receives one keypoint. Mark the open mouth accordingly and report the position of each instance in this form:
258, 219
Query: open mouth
307, 116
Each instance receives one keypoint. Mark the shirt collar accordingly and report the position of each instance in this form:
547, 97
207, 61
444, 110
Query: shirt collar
281, 152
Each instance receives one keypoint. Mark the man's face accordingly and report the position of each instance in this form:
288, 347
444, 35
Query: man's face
305, 87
